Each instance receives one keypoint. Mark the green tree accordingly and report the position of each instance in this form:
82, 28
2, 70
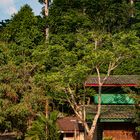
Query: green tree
86, 37
131, 65
93, 53
22, 93
23, 28
67, 16
3, 24
23, 33
38, 128
21, 96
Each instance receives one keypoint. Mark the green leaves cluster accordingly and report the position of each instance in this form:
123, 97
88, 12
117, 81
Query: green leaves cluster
68, 16
22, 96
42, 126
84, 35
23, 29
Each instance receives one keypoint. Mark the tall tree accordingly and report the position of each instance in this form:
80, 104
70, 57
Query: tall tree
38, 129
46, 13
22, 94
131, 65
23, 28
68, 69
75, 52
104, 15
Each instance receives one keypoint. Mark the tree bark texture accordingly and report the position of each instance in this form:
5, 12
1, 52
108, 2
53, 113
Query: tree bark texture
94, 123
132, 10
47, 14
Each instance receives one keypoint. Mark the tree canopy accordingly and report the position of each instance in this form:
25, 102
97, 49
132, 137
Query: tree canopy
86, 37
21, 95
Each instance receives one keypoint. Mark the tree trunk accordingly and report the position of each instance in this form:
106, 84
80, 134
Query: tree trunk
132, 2
47, 113
47, 108
96, 44
94, 123
46, 14
47, 35
46, 7
132, 10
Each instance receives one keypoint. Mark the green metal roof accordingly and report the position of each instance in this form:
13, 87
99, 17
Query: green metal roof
114, 99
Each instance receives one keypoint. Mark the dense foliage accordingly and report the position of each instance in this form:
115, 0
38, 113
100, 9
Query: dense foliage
85, 36
38, 129
22, 96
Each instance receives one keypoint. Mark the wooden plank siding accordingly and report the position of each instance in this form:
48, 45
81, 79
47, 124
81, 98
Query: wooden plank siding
119, 131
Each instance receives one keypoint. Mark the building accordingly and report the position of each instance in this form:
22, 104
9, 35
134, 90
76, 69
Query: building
118, 107
117, 112
71, 128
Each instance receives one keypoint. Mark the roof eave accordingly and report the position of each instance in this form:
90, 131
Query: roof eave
111, 85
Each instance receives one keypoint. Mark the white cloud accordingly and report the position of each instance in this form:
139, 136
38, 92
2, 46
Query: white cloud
8, 6
12, 10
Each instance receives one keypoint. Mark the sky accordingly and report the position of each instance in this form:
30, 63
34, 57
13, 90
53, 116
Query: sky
9, 7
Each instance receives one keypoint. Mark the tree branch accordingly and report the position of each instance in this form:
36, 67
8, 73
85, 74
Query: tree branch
79, 115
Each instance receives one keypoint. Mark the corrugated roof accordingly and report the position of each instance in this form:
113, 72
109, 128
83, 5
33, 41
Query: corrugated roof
112, 111
114, 80
108, 112
69, 124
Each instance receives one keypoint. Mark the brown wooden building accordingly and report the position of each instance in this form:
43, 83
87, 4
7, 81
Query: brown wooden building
117, 112
71, 128
118, 107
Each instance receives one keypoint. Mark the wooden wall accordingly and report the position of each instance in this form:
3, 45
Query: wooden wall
119, 131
